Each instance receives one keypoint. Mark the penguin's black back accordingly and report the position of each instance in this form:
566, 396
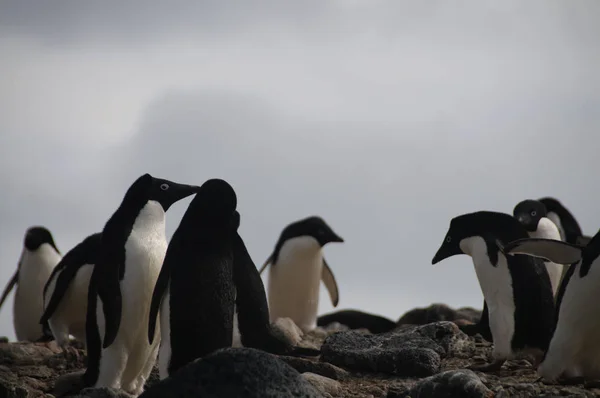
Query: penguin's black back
568, 221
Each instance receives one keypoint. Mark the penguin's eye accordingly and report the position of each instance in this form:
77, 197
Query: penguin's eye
164, 187
533, 213
448, 239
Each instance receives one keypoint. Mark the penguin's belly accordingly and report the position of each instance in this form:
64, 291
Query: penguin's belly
496, 286
164, 354
574, 347
70, 314
294, 290
28, 304
555, 272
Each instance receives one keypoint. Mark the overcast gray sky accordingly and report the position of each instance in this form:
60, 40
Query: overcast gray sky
386, 118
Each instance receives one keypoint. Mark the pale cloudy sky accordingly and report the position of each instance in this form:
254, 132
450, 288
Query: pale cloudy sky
387, 118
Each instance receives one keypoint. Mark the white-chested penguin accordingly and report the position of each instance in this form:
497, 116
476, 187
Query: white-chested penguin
38, 258
574, 351
297, 268
132, 249
533, 216
66, 291
516, 289
207, 272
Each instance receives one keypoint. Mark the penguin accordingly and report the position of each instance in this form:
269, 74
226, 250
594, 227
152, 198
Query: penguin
517, 289
132, 249
208, 269
574, 352
38, 258
532, 215
297, 268
65, 292
356, 319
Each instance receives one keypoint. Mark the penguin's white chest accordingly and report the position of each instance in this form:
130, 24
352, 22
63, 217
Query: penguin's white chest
496, 286
294, 282
548, 230
28, 306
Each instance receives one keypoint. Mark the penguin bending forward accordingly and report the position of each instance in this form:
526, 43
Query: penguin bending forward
132, 249
574, 352
533, 216
207, 271
298, 266
66, 291
38, 258
516, 289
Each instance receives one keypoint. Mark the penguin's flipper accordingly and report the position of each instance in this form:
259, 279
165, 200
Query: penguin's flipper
548, 249
583, 240
9, 286
330, 283
162, 283
267, 262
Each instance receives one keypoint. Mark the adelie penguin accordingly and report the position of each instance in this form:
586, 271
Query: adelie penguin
207, 272
132, 249
38, 258
516, 289
574, 352
297, 268
533, 216
66, 291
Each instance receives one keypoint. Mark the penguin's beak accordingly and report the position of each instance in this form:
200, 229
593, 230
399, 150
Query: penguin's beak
336, 238
443, 253
180, 191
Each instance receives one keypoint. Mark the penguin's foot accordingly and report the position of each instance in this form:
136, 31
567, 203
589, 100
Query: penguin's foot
490, 367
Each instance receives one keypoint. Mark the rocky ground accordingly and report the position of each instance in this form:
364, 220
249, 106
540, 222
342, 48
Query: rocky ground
425, 356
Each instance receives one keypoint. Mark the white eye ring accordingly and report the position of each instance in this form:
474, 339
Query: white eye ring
164, 187
533, 213
448, 239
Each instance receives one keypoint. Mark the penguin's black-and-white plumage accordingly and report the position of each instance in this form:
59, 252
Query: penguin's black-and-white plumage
207, 272
516, 289
66, 291
574, 351
532, 214
38, 258
356, 319
297, 268
132, 249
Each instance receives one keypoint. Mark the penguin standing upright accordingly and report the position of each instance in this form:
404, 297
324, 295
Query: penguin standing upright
574, 351
516, 289
207, 272
38, 258
66, 291
298, 266
133, 246
532, 215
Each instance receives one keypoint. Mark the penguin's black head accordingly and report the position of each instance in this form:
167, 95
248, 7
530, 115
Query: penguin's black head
489, 225
529, 213
313, 226
165, 192
37, 236
215, 204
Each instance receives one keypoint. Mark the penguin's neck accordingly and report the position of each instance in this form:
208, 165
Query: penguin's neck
37, 264
300, 249
150, 220
552, 216
546, 229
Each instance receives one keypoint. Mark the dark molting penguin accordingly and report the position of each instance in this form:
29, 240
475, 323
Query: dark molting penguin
574, 352
38, 258
533, 216
66, 291
516, 289
356, 319
207, 272
132, 249
298, 266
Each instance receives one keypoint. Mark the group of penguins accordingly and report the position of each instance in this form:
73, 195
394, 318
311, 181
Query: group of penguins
133, 299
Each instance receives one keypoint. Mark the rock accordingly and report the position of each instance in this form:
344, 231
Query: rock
235, 372
102, 393
327, 386
70, 383
460, 383
304, 365
437, 313
288, 330
415, 352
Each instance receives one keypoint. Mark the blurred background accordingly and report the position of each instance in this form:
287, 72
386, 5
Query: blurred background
386, 118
